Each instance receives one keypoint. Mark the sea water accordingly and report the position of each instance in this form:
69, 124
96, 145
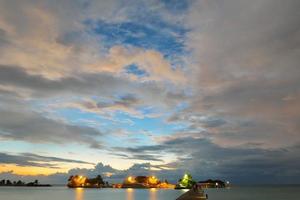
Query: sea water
233, 193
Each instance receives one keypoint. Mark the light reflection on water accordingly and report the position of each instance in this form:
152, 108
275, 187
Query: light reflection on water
153, 194
130, 194
79, 192
63, 193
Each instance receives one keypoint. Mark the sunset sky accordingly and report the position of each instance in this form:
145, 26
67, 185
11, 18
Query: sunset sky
163, 87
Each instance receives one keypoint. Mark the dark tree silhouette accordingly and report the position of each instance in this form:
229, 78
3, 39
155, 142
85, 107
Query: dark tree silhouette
8, 182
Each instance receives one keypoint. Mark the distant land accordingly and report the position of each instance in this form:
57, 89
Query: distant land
146, 182
21, 183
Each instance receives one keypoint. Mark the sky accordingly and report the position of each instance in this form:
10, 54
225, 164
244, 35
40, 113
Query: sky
158, 87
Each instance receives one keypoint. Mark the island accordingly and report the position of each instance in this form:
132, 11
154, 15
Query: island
209, 183
145, 182
187, 182
21, 183
85, 182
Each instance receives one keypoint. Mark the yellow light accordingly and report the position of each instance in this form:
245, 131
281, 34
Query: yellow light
153, 194
152, 180
79, 193
130, 194
79, 180
130, 179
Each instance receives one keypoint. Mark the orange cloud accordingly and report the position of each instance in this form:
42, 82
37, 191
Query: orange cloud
153, 62
29, 171
36, 43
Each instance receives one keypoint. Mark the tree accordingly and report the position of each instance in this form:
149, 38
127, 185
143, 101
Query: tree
186, 181
70, 178
2, 182
100, 180
8, 182
19, 182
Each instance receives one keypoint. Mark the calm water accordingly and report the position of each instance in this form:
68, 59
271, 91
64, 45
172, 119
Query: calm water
62, 193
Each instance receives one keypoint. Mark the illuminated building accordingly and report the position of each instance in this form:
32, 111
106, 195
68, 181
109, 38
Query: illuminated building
145, 182
82, 181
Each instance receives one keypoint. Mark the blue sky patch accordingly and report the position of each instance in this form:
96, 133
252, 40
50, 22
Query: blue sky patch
134, 69
165, 38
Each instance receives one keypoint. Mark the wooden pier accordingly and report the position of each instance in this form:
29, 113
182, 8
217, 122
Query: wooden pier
193, 194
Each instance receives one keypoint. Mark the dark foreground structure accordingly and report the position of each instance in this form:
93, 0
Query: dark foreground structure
193, 194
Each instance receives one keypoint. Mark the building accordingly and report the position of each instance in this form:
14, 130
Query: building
145, 182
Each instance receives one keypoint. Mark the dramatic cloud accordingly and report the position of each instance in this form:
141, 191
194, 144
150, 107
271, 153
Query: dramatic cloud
46, 41
206, 159
209, 87
33, 127
154, 64
29, 159
248, 55
127, 104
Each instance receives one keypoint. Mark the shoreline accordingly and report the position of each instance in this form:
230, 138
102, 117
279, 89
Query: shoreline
43, 185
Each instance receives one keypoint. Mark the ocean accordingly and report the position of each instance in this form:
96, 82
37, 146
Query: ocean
233, 193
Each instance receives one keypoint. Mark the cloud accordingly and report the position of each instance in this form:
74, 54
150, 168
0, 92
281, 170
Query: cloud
151, 61
35, 31
128, 104
106, 171
228, 87
98, 93
138, 156
44, 40
57, 178
33, 127
205, 159
22, 122
38, 86
245, 69
34, 160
